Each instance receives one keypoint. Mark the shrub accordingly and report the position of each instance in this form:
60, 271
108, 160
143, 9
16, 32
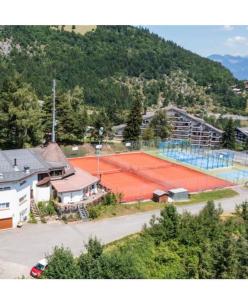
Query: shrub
32, 218
43, 219
64, 219
109, 199
46, 208
94, 211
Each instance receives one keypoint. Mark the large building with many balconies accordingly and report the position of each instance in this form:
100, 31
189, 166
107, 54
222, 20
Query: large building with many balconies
184, 127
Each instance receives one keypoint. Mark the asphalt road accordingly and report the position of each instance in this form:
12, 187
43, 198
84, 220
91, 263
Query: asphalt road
21, 248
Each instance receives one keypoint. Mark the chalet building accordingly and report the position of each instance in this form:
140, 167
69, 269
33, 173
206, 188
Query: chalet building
28, 176
242, 134
184, 127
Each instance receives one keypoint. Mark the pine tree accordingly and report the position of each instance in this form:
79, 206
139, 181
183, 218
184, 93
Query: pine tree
71, 117
226, 260
228, 138
100, 119
148, 134
132, 131
160, 125
20, 115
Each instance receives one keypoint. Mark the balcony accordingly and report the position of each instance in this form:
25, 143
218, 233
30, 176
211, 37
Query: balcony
73, 206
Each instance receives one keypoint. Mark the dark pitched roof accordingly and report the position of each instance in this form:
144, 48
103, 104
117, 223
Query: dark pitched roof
38, 160
24, 158
244, 130
55, 158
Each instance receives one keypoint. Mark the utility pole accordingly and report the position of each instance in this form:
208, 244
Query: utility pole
54, 112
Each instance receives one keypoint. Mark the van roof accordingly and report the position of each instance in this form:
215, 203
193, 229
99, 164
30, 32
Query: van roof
43, 262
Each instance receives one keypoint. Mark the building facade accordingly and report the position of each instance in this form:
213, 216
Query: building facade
39, 174
242, 134
184, 127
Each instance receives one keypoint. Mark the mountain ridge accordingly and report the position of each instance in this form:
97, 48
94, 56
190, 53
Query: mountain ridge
96, 59
238, 65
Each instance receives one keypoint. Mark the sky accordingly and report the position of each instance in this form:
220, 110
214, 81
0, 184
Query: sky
206, 40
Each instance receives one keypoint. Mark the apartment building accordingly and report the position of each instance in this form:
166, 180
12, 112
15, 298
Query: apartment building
184, 127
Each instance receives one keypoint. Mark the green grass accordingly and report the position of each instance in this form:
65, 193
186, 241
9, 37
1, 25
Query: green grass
207, 196
108, 211
122, 241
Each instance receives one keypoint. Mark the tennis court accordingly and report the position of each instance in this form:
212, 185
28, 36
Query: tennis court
136, 175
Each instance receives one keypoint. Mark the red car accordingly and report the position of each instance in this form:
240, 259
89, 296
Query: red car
39, 268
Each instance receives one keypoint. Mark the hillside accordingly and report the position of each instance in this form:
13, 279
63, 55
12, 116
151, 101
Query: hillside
110, 62
238, 65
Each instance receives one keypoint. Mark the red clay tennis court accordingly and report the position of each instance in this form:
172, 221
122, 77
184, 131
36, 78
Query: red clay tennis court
136, 175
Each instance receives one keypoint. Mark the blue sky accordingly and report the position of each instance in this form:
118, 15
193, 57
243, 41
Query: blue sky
206, 40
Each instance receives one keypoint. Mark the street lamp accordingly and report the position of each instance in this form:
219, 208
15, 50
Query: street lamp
128, 145
98, 149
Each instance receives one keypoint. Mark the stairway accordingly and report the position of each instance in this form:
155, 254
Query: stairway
34, 209
83, 212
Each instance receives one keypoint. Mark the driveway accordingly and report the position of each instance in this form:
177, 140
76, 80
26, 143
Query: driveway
21, 248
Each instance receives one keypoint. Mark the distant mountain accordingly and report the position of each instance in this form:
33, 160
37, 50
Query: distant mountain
238, 65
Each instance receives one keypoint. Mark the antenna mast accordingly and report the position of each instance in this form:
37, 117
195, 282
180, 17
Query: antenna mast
54, 112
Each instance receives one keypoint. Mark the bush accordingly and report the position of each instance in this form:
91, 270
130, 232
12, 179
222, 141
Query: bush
32, 218
64, 218
94, 211
46, 208
43, 219
112, 199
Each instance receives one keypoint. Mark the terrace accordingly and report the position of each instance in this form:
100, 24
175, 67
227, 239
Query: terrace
86, 200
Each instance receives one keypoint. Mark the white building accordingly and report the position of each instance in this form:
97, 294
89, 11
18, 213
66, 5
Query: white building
35, 175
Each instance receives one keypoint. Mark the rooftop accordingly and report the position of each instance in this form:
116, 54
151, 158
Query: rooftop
178, 190
24, 158
37, 160
75, 182
159, 192
244, 130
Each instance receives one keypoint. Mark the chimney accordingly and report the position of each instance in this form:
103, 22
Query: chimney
15, 165
26, 169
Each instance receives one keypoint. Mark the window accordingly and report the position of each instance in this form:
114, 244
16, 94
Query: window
23, 182
56, 173
42, 176
5, 188
4, 205
22, 200
23, 215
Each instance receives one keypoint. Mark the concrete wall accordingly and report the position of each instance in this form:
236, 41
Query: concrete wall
18, 198
71, 197
43, 193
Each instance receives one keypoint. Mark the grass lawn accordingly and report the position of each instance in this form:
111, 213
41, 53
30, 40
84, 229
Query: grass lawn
212, 195
107, 211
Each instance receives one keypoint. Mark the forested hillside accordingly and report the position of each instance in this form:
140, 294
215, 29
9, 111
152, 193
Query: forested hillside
96, 60
98, 73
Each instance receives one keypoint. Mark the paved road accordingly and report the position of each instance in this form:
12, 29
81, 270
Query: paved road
21, 248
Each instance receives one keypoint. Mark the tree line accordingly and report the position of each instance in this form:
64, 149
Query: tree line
26, 120
179, 246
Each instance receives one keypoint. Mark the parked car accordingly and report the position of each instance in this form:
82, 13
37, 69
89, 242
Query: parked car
39, 268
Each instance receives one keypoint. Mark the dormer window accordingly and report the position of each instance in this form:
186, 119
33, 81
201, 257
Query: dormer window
56, 173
